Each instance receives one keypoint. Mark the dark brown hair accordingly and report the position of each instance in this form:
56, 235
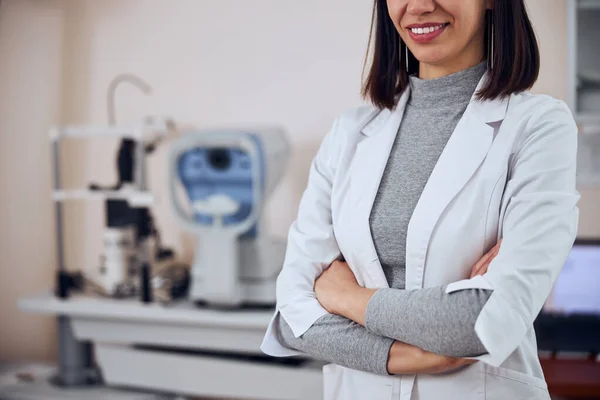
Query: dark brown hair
513, 67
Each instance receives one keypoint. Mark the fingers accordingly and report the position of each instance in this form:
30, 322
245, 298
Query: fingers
482, 262
484, 267
481, 266
445, 364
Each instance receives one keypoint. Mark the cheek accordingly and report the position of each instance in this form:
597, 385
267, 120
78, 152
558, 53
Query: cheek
396, 10
466, 7
467, 15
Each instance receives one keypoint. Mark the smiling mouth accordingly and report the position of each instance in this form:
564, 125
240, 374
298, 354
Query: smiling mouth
427, 29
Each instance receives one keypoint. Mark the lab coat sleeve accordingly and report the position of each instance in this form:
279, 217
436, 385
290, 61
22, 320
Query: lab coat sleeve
538, 229
311, 247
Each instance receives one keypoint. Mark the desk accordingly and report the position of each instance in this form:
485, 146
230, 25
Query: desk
138, 345
574, 379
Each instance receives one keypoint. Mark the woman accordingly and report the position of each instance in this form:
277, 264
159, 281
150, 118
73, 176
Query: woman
384, 275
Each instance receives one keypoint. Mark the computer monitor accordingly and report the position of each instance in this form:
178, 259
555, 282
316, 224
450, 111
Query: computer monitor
569, 323
577, 289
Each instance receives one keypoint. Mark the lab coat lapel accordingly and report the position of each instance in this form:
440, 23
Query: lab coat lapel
464, 153
369, 162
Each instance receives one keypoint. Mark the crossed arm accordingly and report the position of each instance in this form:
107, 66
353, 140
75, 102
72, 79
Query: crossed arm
391, 331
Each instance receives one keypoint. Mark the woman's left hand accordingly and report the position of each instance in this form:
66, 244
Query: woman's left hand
334, 285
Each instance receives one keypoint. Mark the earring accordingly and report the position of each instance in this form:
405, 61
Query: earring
491, 31
492, 47
406, 56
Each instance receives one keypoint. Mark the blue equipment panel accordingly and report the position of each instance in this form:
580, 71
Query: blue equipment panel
206, 171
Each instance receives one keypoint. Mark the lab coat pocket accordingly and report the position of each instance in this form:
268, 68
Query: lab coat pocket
502, 383
341, 383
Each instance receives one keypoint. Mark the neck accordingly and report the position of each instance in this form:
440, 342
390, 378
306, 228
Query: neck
471, 56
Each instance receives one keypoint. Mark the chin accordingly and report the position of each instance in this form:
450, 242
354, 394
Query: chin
430, 57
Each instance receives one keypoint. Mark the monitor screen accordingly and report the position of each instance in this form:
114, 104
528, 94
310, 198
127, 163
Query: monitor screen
577, 289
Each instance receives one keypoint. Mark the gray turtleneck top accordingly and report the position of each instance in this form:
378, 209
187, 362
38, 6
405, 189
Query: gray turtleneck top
427, 318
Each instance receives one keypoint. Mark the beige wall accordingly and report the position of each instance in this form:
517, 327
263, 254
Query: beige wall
549, 19
211, 63
30, 76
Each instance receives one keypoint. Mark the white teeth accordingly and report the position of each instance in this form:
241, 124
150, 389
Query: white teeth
421, 31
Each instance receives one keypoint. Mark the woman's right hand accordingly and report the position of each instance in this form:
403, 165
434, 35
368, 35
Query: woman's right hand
481, 266
407, 359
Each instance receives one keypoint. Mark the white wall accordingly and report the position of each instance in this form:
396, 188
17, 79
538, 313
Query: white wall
211, 63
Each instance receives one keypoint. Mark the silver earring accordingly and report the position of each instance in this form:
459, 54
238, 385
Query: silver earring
406, 55
493, 30
491, 43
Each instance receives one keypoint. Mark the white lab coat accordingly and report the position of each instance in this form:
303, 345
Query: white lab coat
508, 171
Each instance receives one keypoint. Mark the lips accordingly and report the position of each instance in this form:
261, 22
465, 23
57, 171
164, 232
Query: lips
426, 32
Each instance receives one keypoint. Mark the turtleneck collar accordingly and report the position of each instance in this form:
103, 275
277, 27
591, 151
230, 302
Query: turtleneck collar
446, 90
